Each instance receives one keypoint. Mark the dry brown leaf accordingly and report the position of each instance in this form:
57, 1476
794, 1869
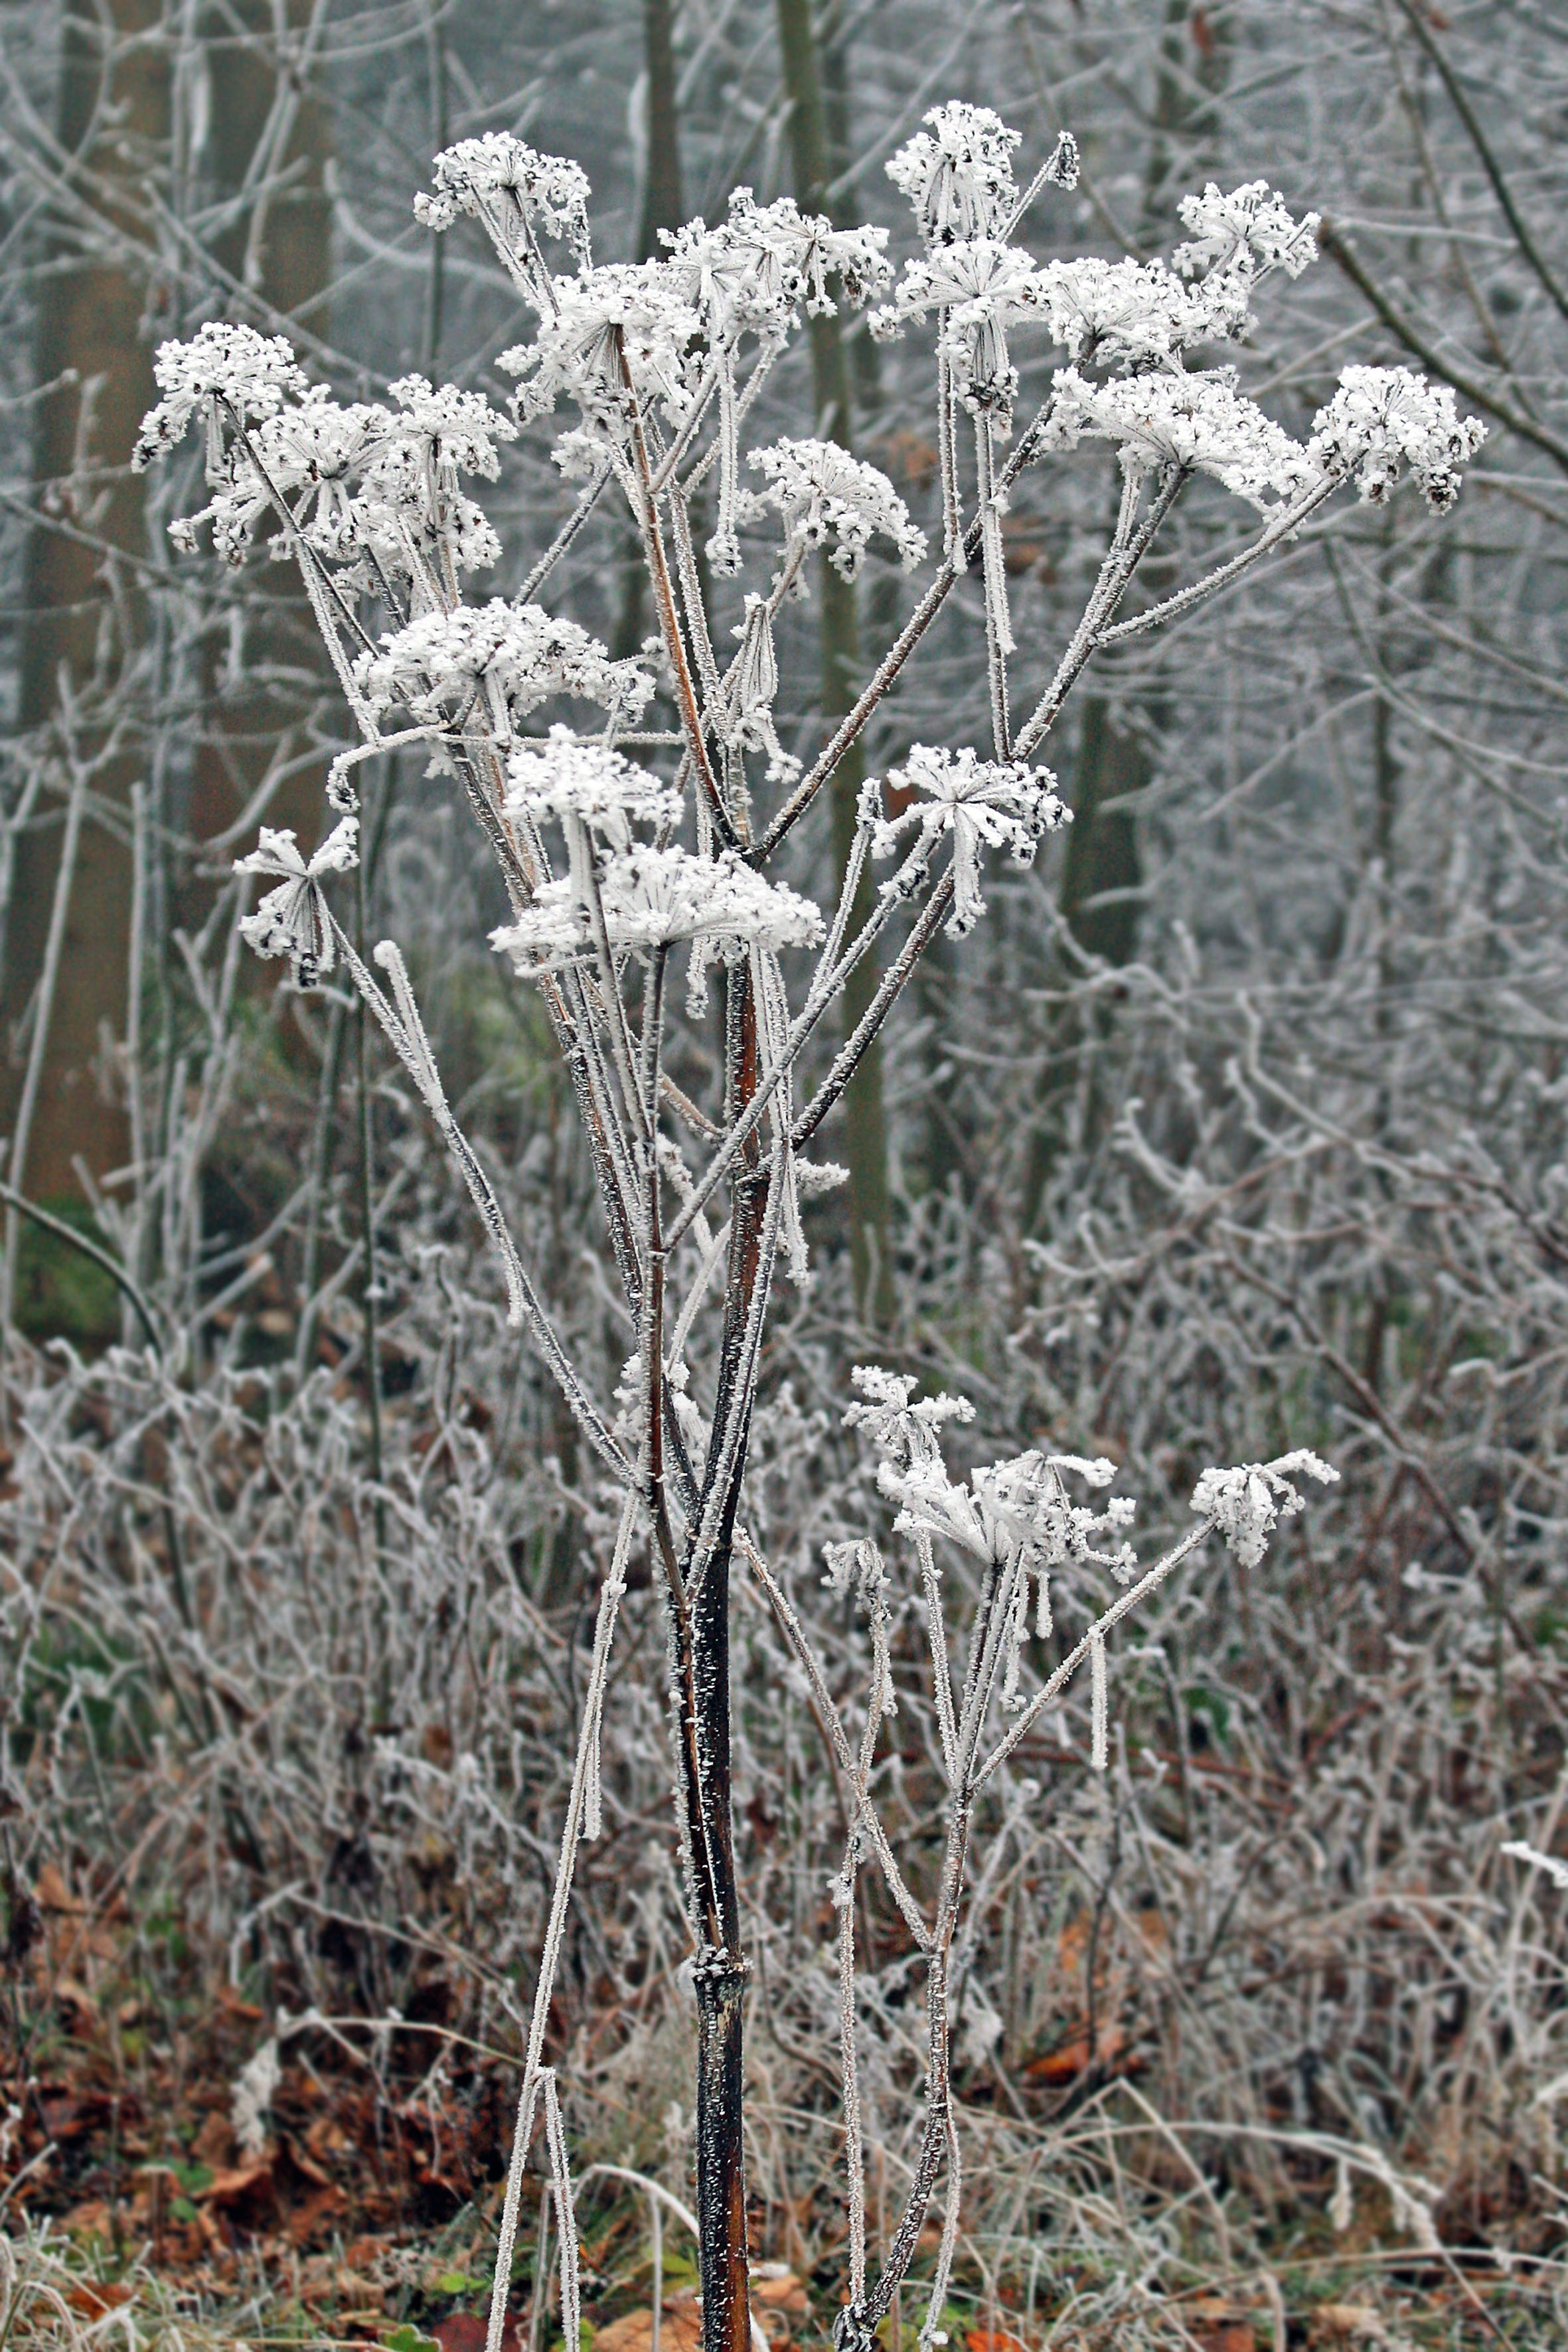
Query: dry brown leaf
93, 2297
1218, 2325
785, 2293
680, 2330
464, 2331
1345, 2322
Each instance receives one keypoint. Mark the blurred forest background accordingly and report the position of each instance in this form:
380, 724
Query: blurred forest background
1240, 1126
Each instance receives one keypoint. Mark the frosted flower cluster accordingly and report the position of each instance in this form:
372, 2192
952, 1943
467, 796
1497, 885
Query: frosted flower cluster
1245, 1503
1135, 314
980, 287
293, 919
982, 804
369, 488
1016, 1513
591, 785
506, 658
1382, 420
655, 898
510, 186
1198, 421
252, 374
1248, 231
958, 173
748, 274
1016, 1516
828, 498
625, 321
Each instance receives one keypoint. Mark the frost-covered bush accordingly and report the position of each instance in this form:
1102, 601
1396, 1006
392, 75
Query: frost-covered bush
630, 852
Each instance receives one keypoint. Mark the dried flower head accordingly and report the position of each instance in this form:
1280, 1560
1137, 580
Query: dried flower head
1198, 421
1245, 1503
1249, 230
828, 497
1383, 419
979, 802
222, 365
958, 173
293, 921
507, 657
659, 897
512, 188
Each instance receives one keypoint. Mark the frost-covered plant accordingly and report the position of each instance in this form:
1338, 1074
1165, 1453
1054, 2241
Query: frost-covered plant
612, 859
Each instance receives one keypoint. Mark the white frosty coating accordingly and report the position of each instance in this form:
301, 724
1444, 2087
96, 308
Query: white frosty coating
360, 480
455, 431
981, 803
1016, 1513
590, 782
1135, 313
254, 374
501, 179
958, 173
753, 685
984, 287
1382, 419
748, 274
659, 897
254, 2090
1243, 1504
1014, 1516
1248, 230
1195, 421
292, 921
510, 656
826, 495
631, 313
1557, 1871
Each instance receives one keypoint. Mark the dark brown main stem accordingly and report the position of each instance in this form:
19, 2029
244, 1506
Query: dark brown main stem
721, 1965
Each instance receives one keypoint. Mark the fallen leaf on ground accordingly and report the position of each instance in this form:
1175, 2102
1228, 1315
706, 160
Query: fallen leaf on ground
785, 2293
1345, 2322
1218, 2325
93, 2297
991, 2339
464, 2331
680, 2330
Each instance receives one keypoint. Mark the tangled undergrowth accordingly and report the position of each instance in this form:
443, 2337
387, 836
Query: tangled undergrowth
1258, 2026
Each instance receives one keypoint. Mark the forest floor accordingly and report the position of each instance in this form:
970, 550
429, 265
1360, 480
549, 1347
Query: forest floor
355, 2201
365, 2217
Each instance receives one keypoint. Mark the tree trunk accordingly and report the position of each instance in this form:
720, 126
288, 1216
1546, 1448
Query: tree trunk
85, 608
1103, 870
866, 1135
285, 252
